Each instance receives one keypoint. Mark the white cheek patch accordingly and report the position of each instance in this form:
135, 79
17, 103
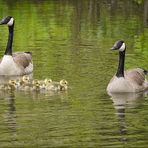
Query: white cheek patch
10, 23
122, 48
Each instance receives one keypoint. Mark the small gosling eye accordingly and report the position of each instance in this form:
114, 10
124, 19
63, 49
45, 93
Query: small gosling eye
63, 82
25, 78
12, 82
35, 82
49, 80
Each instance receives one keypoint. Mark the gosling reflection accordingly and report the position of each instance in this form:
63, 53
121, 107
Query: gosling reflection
121, 101
10, 113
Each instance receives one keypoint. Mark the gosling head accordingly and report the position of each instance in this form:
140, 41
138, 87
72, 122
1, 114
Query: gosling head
119, 45
63, 82
47, 81
35, 82
36, 85
9, 20
25, 79
63, 85
12, 84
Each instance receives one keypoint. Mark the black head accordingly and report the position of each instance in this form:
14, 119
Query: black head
9, 20
119, 45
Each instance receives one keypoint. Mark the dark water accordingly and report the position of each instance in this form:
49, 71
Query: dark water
71, 39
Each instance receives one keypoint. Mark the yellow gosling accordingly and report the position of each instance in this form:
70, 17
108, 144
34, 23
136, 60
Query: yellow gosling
36, 85
44, 83
11, 85
57, 86
25, 80
64, 84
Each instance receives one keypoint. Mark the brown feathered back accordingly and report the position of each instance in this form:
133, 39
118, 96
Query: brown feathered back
22, 58
136, 75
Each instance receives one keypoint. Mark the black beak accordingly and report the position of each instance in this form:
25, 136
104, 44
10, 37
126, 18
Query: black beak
5, 20
114, 48
2, 22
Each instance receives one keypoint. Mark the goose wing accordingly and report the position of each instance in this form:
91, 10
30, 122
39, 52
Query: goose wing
136, 75
22, 58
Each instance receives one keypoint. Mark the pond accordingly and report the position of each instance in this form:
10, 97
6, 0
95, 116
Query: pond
71, 39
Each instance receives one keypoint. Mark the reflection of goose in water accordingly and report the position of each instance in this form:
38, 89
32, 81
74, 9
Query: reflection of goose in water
10, 114
121, 101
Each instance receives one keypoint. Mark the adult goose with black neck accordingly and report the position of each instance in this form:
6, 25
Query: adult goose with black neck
132, 80
19, 63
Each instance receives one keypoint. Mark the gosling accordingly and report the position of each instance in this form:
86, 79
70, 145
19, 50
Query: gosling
57, 86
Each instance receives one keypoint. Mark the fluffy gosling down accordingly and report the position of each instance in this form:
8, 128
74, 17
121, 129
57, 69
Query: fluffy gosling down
57, 86
11, 85
26, 84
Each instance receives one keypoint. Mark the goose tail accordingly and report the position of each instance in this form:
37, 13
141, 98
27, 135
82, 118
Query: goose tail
145, 71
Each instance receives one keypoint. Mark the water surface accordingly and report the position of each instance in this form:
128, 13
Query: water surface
71, 39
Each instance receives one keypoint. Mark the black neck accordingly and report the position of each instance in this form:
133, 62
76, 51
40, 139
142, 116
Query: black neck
10, 41
120, 71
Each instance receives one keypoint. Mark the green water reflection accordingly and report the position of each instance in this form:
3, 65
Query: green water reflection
71, 39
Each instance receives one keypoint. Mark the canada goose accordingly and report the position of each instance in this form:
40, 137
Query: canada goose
133, 80
19, 63
57, 86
